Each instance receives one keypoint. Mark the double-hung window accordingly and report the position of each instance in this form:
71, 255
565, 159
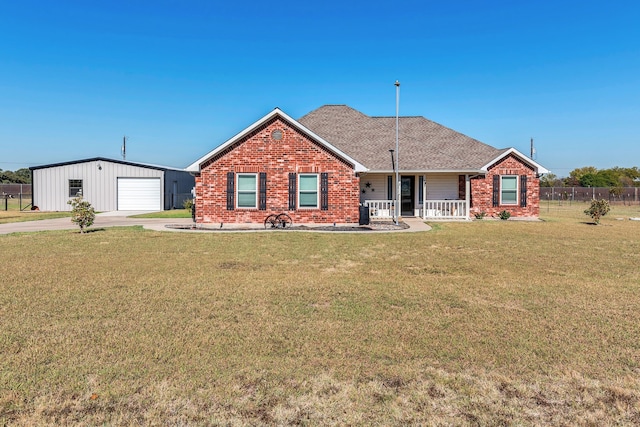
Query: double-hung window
509, 190
75, 188
308, 191
247, 190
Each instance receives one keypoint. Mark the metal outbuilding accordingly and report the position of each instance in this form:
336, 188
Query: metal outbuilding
110, 185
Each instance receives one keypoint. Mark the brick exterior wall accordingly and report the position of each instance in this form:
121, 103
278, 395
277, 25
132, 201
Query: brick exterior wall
482, 190
259, 152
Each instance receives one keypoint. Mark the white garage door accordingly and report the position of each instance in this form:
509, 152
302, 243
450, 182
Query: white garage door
139, 194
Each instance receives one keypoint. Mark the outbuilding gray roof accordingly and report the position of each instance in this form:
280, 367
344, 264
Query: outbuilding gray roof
424, 145
104, 159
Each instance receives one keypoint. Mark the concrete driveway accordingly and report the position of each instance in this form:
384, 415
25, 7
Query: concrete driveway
106, 219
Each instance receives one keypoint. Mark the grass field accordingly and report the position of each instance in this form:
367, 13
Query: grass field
18, 216
480, 323
14, 214
173, 213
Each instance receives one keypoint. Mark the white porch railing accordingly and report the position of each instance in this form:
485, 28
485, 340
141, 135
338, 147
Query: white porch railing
380, 209
432, 209
445, 209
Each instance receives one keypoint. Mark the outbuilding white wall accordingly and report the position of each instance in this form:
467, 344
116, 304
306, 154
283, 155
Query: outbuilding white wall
99, 180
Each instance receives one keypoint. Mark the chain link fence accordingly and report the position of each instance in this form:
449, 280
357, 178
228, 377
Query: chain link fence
15, 196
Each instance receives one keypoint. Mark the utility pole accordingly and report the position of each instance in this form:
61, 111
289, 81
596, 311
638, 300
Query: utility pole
398, 185
124, 148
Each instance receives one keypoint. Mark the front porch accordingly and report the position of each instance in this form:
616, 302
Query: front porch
429, 209
434, 196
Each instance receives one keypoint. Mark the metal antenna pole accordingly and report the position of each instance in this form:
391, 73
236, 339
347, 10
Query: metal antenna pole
533, 150
398, 185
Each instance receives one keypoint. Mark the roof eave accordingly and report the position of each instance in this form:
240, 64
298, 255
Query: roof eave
105, 159
429, 171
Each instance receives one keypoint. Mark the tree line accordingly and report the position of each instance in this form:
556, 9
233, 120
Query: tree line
21, 176
590, 176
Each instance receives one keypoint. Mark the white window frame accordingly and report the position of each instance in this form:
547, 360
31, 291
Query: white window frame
317, 191
515, 202
79, 189
238, 191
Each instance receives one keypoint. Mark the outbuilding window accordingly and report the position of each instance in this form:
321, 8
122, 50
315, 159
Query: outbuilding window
75, 188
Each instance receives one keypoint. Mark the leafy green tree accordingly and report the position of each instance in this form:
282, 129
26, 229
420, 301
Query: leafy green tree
82, 213
598, 209
609, 177
21, 176
602, 178
588, 180
551, 180
589, 176
578, 173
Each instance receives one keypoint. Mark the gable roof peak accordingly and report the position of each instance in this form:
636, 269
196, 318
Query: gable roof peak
195, 166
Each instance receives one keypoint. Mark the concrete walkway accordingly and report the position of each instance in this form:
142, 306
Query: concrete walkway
121, 218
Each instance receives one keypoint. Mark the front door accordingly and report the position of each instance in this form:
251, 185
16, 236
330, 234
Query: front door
407, 196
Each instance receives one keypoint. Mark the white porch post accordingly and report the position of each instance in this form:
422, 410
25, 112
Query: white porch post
424, 196
467, 195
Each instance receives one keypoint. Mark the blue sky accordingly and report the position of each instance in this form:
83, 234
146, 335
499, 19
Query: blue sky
181, 77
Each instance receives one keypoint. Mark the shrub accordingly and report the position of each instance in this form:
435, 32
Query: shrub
504, 215
480, 215
598, 209
187, 204
82, 213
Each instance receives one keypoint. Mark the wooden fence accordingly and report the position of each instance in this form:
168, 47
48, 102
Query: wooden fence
627, 195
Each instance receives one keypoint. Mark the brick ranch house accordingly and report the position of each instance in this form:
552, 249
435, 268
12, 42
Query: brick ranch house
322, 167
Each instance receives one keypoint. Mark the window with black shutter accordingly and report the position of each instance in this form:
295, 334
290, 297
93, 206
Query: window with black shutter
263, 191
230, 191
496, 190
523, 191
292, 191
324, 191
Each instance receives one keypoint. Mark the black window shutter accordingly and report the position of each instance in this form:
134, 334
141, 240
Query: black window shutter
263, 191
324, 191
230, 191
523, 191
496, 190
292, 191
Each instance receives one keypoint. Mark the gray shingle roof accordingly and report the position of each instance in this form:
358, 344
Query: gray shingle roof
424, 145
